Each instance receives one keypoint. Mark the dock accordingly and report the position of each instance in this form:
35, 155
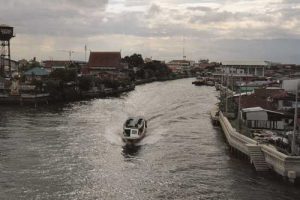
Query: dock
22, 99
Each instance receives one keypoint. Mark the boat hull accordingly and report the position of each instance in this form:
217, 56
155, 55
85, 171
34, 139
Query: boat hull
198, 83
130, 141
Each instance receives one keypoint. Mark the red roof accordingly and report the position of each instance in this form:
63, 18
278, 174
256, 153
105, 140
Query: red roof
280, 95
105, 59
255, 101
265, 92
51, 63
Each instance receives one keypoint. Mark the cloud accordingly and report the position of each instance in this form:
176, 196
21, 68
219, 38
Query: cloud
291, 1
202, 23
200, 8
67, 17
154, 10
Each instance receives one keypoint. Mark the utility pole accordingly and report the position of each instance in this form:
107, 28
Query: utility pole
226, 96
239, 108
70, 52
295, 122
183, 50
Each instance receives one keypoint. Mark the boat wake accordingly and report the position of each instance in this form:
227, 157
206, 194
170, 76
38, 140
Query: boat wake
153, 136
113, 135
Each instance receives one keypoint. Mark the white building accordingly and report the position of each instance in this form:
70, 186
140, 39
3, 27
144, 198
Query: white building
179, 66
259, 118
244, 68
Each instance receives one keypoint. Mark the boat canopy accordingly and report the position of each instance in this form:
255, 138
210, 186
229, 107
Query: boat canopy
133, 122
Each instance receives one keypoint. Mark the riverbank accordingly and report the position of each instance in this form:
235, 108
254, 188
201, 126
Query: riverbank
71, 92
67, 95
264, 157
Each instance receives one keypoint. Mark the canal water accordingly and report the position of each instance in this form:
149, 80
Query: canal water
75, 151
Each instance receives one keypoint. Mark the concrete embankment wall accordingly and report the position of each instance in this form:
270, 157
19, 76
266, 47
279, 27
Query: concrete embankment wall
235, 139
287, 166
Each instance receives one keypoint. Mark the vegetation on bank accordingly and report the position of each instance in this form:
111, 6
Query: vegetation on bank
65, 84
147, 70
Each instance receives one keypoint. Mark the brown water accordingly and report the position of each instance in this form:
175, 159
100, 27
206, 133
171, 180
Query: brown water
75, 151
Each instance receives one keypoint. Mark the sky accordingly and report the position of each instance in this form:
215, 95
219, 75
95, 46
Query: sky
217, 30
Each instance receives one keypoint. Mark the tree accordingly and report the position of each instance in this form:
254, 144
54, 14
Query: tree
135, 60
74, 66
66, 75
159, 69
29, 65
85, 83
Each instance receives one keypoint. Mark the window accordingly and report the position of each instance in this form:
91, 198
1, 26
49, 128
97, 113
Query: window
287, 103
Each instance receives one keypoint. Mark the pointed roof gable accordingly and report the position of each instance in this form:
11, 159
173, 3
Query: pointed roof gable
105, 59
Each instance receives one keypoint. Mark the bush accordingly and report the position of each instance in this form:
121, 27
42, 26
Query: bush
66, 75
85, 83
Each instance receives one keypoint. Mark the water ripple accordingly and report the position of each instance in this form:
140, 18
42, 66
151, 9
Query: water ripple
75, 151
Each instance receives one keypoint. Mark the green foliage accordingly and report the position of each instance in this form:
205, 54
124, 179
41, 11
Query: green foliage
135, 60
53, 87
153, 69
111, 83
140, 74
66, 75
74, 66
85, 83
38, 84
32, 64
158, 69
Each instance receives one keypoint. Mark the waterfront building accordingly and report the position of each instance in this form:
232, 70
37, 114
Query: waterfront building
259, 118
244, 68
180, 66
104, 61
232, 71
270, 98
107, 65
51, 65
36, 73
237, 74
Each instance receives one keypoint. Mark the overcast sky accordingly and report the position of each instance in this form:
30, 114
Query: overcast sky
161, 29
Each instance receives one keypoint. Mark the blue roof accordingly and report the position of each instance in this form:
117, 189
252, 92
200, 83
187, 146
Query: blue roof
37, 71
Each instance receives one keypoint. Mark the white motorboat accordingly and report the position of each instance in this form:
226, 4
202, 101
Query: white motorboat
134, 129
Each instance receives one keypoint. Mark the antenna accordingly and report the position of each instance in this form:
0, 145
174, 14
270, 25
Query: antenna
70, 52
85, 49
183, 52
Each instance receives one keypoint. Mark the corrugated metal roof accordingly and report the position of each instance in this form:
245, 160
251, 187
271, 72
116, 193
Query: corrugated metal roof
245, 63
252, 109
37, 71
257, 109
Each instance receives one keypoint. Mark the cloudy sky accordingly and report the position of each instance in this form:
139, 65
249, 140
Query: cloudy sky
161, 29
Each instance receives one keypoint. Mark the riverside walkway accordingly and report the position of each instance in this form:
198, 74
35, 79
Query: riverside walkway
264, 157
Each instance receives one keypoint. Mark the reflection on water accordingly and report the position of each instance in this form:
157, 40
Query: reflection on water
75, 151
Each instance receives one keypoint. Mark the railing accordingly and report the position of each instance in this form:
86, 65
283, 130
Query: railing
283, 164
234, 138
280, 162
